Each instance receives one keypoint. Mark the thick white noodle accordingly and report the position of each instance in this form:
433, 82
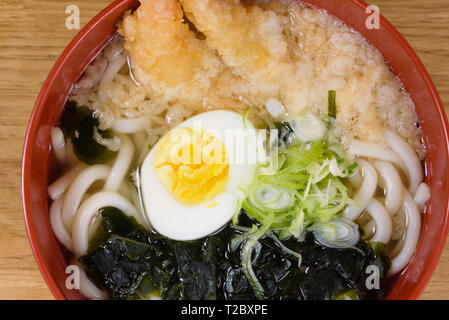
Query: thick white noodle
58, 144
131, 125
393, 252
121, 164
376, 151
57, 225
60, 185
112, 144
80, 185
369, 229
411, 235
72, 159
393, 185
383, 222
356, 178
87, 288
399, 224
112, 69
422, 195
408, 156
366, 191
89, 209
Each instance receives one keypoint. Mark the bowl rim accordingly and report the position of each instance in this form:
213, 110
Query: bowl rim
427, 274
32, 126
37, 110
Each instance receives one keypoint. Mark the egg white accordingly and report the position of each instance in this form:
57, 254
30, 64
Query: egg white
188, 222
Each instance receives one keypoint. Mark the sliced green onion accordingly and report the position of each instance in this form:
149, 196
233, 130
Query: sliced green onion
338, 169
302, 190
352, 167
237, 241
332, 106
272, 197
275, 108
300, 156
297, 227
246, 254
285, 249
308, 128
338, 233
245, 116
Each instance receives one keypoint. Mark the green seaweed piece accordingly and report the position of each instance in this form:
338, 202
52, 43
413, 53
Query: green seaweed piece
196, 263
78, 124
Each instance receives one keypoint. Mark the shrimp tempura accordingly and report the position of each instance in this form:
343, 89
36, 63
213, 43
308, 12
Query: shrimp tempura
248, 39
176, 65
164, 48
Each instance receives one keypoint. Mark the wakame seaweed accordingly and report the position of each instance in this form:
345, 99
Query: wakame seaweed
79, 123
131, 262
127, 260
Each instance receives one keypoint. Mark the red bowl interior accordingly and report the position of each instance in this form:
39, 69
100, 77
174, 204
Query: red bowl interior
36, 165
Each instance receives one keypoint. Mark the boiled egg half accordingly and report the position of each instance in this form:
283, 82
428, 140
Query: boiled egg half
192, 180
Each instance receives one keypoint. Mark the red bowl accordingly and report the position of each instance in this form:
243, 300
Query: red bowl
36, 164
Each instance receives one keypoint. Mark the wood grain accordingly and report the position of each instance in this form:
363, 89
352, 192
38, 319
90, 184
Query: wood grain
33, 35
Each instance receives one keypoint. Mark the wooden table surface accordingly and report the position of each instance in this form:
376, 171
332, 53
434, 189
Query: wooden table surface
33, 35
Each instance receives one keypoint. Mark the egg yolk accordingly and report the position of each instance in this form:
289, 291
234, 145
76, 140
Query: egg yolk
192, 165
